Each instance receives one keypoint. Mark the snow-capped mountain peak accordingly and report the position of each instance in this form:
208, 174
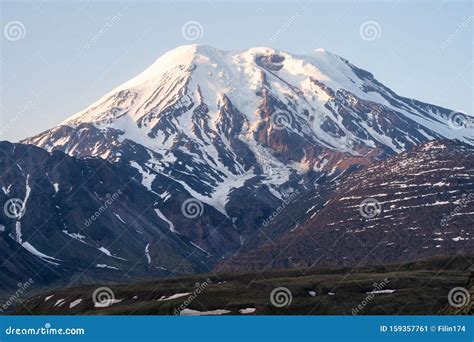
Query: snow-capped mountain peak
216, 121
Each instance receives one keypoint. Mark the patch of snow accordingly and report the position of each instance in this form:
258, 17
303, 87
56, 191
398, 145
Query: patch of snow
107, 252
75, 236
201, 249
247, 311
107, 303
106, 266
190, 312
147, 176
147, 253
30, 248
75, 303
60, 302
120, 219
164, 218
381, 291
175, 296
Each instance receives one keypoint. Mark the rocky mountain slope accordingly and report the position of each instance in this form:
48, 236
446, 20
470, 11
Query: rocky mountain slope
415, 204
72, 219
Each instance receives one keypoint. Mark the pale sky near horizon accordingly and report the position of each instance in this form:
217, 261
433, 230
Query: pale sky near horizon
64, 55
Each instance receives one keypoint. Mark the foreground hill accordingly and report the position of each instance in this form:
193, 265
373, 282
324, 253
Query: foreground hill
419, 288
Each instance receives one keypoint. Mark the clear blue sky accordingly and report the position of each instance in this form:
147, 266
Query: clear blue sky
73, 52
